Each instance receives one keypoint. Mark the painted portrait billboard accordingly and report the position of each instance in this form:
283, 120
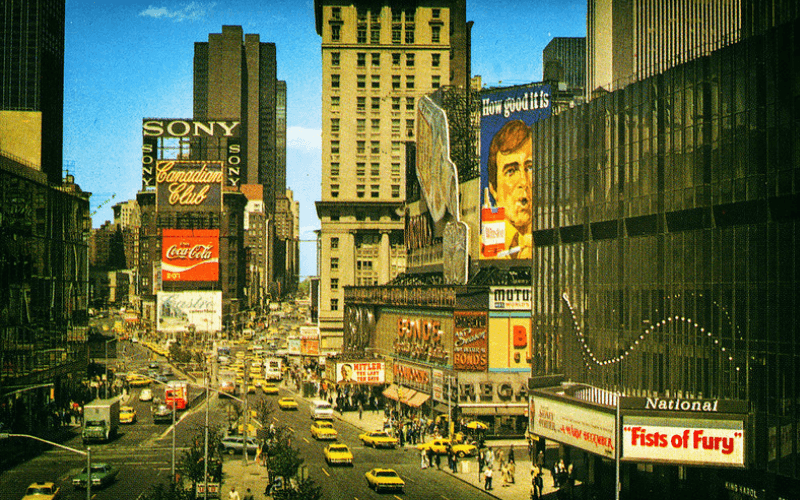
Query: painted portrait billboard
190, 255
177, 310
506, 165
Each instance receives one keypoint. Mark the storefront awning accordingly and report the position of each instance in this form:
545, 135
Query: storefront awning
418, 399
391, 392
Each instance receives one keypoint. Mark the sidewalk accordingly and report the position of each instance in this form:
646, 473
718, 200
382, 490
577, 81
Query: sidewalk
236, 474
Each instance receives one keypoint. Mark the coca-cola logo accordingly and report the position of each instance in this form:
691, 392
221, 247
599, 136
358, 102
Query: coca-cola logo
186, 251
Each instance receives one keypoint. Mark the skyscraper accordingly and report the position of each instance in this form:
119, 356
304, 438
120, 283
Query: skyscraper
377, 60
32, 80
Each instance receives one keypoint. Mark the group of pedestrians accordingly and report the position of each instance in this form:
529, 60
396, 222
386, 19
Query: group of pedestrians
506, 466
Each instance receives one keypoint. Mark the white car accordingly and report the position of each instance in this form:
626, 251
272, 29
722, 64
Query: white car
146, 395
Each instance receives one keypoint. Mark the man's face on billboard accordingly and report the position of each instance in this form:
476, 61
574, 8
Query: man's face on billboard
513, 190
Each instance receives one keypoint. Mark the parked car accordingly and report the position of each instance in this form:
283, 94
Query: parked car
384, 479
235, 444
42, 491
439, 446
102, 475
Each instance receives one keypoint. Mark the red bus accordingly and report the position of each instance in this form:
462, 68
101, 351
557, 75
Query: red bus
177, 392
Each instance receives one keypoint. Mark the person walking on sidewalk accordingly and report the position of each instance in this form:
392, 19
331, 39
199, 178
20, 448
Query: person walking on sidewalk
487, 475
248, 495
233, 494
423, 459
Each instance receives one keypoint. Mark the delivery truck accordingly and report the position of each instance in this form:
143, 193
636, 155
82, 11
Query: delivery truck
100, 420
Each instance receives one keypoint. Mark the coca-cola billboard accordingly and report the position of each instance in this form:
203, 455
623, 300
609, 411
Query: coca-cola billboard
190, 255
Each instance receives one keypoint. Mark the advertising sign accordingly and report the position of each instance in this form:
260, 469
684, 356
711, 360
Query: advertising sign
470, 345
361, 372
510, 298
294, 345
190, 255
509, 336
177, 310
685, 441
574, 425
506, 165
183, 185
309, 341
416, 377
436, 172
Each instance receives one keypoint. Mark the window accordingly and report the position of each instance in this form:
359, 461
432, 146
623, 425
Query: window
436, 81
395, 59
396, 35
361, 81
410, 128
395, 190
409, 35
395, 126
336, 13
335, 101
335, 169
335, 57
375, 34
376, 103
409, 81
334, 243
334, 263
361, 36
397, 16
334, 304
395, 148
361, 103
396, 103
395, 82
334, 283
362, 15
436, 13
409, 103
361, 147
375, 169
334, 125
395, 170
436, 34
375, 147
360, 190
410, 60
409, 16
376, 59
334, 190
376, 81
336, 33
334, 147
335, 81
376, 125
361, 169
374, 190
361, 125
436, 60
335, 217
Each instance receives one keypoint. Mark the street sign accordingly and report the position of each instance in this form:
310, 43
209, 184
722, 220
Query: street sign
213, 490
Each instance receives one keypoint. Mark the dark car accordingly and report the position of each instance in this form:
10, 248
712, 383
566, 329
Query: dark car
235, 444
162, 414
102, 475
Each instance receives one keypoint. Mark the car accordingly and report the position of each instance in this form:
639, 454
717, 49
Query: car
287, 404
162, 414
321, 410
384, 479
42, 491
102, 475
270, 389
127, 415
338, 453
378, 439
251, 389
439, 446
146, 395
153, 366
235, 444
323, 430
136, 380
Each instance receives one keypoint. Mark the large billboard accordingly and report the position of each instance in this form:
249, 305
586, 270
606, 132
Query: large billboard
360, 372
178, 310
436, 172
188, 186
573, 425
190, 255
470, 341
506, 166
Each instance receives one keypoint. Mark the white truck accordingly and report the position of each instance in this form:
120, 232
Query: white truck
273, 369
100, 420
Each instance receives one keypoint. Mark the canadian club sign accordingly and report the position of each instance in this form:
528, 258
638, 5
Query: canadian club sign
183, 185
190, 255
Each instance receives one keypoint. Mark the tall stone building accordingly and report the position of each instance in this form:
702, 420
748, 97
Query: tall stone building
378, 58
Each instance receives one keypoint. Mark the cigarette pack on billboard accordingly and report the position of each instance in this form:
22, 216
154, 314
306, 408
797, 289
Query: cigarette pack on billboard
493, 231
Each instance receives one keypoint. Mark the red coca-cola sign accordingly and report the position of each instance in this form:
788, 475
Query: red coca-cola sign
190, 255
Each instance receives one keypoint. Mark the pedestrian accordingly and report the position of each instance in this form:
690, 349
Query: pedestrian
500, 458
511, 457
512, 471
423, 459
487, 475
233, 494
455, 463
536, 482
248, 495
489, 458
360, 409
438, 461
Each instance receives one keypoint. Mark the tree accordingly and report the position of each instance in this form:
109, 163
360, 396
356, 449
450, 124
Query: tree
167, 491
191, 465
306, 490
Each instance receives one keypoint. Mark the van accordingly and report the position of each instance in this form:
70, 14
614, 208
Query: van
321, 410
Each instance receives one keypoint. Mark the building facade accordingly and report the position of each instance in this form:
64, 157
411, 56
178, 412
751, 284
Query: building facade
378, 58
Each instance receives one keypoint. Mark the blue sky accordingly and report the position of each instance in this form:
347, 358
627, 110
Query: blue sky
126, 60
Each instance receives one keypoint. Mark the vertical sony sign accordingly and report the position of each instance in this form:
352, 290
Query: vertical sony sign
233, 173
149, 155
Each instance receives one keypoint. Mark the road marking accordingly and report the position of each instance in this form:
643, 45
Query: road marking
445, 498
326, 472
398, 498
306, 440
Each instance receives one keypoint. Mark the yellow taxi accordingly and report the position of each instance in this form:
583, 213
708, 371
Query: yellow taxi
251, 429
136, 380
338, 453
251, 388
323, 430
287, 404
378, 439
268, 388
439, 446
127, 415
42, 491
384, 479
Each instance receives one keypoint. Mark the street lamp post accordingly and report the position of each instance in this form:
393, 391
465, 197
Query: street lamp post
88, 454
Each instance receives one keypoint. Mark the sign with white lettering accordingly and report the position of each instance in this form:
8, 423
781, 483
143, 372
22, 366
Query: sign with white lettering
190, 255
685, 441
510, 298
574, 425
185, 185
360, 372
178, 310
470, 342
190, 128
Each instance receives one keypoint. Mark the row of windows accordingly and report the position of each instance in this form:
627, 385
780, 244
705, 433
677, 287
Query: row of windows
375, 126
374, 190
375, 59
375, 103
398, 15
361, 147
361, 169
373, 36
375, 81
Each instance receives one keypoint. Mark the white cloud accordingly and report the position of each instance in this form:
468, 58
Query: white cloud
303, 138
189, 12
309, 232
